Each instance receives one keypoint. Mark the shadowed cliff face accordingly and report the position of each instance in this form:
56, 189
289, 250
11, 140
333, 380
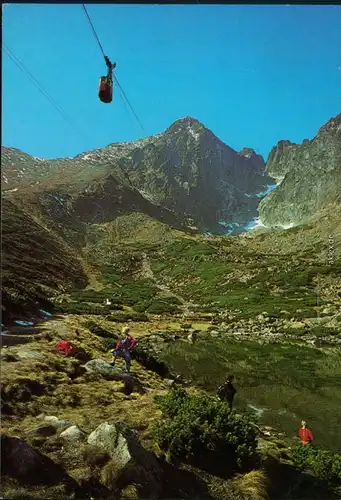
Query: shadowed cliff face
189, 170
309, 176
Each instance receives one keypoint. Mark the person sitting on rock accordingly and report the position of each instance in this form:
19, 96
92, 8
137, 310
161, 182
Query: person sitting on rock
305, 434
227, 391
124, 348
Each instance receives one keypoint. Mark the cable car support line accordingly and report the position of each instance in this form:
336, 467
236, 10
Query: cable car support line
41, 89
110, 68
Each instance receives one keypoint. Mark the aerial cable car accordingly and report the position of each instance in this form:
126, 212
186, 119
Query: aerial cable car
106, 83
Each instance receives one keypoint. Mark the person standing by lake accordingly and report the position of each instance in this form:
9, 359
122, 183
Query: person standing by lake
227, 391
305, 434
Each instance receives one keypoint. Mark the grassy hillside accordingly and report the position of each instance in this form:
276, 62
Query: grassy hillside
234, 274
37, 382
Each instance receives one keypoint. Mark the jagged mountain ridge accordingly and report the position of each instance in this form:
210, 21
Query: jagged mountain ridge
186, 170
190, 171
309, 176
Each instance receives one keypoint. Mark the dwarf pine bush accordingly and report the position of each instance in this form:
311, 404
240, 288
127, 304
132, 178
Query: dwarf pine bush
202, 428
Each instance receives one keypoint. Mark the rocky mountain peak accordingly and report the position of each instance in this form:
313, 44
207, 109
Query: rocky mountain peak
248, 152
187, 121
309, 173
333, 126
186, 125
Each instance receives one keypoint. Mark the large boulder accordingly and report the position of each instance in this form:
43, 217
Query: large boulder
102, 332
106, 370
98, 366
81, 354
73, 434
7, 339
56, 422
30, 354
28, 466
44, 430
132, 463
109, 437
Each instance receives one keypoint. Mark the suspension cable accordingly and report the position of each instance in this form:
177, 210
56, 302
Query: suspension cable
115, 78
41, 89
127, 100
93, 29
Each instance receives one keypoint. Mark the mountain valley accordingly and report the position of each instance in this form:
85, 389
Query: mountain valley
157, 234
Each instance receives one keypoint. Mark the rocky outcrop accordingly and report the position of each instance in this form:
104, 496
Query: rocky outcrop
129, 460
72, 434
105, 370
309, 176
56, 422
28, 466
190, 171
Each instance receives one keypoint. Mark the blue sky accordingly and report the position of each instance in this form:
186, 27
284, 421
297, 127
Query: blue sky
252, 74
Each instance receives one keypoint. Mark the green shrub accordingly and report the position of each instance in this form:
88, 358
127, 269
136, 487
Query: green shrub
323, 331
203, 431
142, 306
323, 463
97, 296
130, 292
129, 316
133, 292
109, 343
161, 307
81, 308
190, 248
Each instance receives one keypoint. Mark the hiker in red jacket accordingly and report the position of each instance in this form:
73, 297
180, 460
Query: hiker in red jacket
124, 348
305, 434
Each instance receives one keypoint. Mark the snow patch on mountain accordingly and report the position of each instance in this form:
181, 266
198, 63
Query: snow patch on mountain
261, 194
193, 133
146, 195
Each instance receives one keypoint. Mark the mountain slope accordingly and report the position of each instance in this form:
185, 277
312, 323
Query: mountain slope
310, 175
72, 194
36, 263
186, 170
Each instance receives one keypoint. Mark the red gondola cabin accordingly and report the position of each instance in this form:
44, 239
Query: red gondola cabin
105, 89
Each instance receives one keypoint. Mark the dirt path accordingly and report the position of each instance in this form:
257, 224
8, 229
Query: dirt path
147, 273
94, 283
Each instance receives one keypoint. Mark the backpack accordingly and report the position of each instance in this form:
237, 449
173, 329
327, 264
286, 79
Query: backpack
221, 391
65, 347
